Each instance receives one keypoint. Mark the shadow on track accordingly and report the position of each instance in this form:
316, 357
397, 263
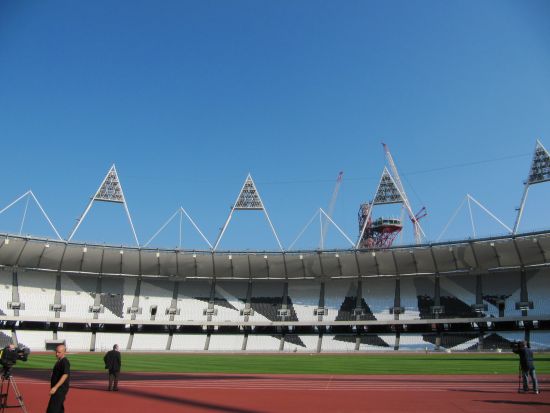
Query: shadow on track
526, 403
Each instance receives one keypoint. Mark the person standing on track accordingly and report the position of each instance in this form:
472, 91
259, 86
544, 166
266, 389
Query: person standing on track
112, 364
527, 366
59, 381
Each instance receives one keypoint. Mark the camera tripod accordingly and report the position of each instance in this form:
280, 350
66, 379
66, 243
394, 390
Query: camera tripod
6, 382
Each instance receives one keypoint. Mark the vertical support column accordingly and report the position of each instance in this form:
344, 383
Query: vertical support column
135, 304
15, 291
130, 340
174, 303
357, 342
282, 343
57, 296
397, 340
481, 345
211, 302
248, 304
92, 341
479, 290
524, 296
358, 299
527, 336
284, 305
207, 342
97, 298
320, 343
437, 297
321, 300
169, 341
397, 298
245, 341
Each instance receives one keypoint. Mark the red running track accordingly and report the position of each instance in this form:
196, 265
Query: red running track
259, 393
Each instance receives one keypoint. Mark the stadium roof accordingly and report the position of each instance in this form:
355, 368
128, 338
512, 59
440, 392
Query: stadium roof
476, 255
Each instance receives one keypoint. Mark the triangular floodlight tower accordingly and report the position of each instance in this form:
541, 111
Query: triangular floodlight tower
387, 192
29, 194
418, 232
180, 211
323, 224
539, 173
248, 200
469, 199
110, 190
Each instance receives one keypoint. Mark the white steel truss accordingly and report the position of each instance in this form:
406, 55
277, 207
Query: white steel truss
248, 199
110, 190
320, 213
180, 211
469, 199
538, 173
29, 194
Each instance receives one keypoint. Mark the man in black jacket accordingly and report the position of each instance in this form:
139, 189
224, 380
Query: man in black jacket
527, 366
59, 381
112, 363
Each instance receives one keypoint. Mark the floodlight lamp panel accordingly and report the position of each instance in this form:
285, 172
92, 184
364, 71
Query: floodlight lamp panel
387, 192
540, 167
249, 197
110, 190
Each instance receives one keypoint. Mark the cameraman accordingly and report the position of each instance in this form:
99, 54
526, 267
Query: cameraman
526, 364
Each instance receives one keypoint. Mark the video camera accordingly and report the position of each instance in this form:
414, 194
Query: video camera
9, 356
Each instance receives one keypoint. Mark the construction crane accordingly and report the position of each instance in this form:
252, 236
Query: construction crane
330, 208
415, 218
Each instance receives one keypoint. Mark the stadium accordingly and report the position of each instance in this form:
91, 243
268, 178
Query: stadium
468, 295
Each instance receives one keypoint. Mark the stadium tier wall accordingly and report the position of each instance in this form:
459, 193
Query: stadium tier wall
453, 312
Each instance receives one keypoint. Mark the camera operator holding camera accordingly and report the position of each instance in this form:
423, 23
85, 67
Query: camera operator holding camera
526, 365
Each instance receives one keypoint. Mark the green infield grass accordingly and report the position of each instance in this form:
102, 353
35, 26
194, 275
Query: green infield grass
478, 363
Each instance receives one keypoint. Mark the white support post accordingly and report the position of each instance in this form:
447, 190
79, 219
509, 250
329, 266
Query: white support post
337, 227
471, 215
520, 209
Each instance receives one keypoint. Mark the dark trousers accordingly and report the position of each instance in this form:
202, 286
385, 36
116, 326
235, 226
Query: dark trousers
113, 380
56, 402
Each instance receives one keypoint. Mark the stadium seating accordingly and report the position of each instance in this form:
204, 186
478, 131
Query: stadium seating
105, 341
149, 342
188, 342
34, 339
76, 341
37, 292
226, 342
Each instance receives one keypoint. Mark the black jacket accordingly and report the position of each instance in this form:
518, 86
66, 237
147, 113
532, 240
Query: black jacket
112, 360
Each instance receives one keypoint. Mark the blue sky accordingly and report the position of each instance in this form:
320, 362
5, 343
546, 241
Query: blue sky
187, 97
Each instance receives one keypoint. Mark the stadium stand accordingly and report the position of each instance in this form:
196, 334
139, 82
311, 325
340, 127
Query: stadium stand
305, 299
34, 339
415, 342
5, 291
379, 294
226, 342
76, 341
149, 342
462, 309
188, 342
338, 343
105, 341
37, 292
263, 343
301, 343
